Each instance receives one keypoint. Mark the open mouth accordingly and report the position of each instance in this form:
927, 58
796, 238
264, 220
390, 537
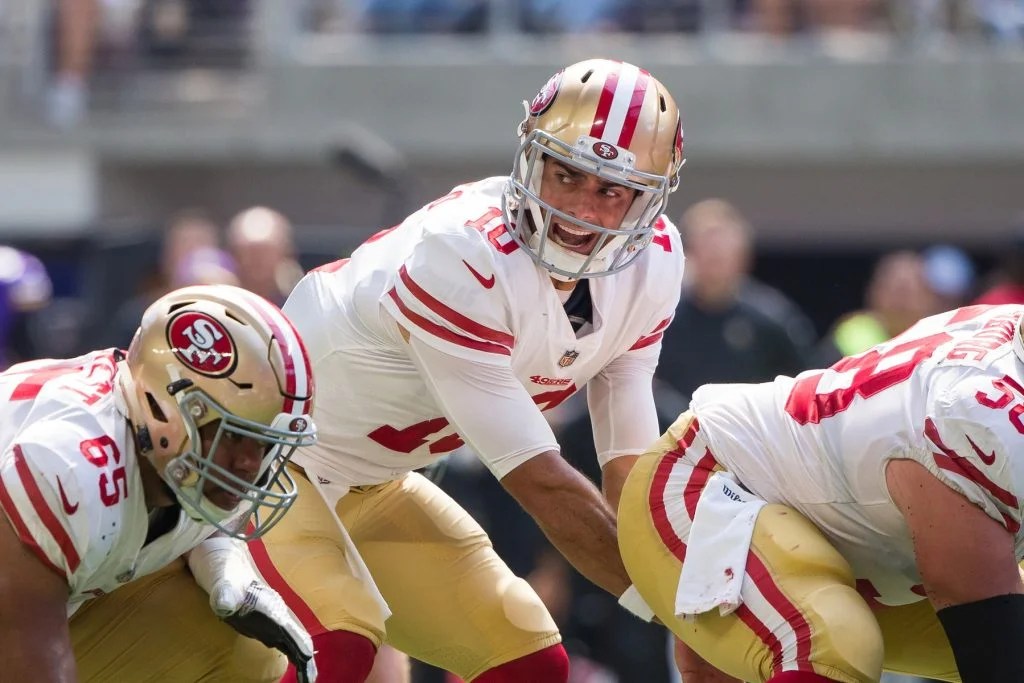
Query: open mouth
573, 238
224, 500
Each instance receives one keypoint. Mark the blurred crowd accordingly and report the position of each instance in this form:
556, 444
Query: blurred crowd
730, 326
998, 18
221, 33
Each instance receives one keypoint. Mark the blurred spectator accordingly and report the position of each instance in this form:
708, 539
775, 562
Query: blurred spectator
409, 16
25, 289
260, 240
1003, 20
195, 32
76, 26
188, 231
1006, 284
728, 327
896, 297
575, 16
205, 266
949, 273
782, 17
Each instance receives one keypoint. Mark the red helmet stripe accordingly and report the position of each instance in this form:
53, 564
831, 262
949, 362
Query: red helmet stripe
625, 85
636, 103
604, 105
298, 376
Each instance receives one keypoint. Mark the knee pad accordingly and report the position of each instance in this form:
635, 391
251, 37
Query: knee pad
550, 665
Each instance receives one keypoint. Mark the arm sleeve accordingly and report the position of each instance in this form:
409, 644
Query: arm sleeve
447, 295
30, 476
621, 402
490, 409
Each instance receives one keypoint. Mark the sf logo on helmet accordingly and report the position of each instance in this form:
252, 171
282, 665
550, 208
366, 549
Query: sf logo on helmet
543, 99
202, 344
605, 150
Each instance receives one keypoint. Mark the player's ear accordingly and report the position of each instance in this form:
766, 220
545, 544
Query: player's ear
405, 333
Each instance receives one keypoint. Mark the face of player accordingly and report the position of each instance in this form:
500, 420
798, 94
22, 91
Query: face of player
239, 455
583, 196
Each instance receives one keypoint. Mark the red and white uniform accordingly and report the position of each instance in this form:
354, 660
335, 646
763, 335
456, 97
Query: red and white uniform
948, 393
490, 345
69, 476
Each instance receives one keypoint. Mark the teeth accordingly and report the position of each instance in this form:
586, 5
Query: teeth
579, 232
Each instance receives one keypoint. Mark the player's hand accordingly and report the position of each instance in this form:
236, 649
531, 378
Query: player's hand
257, 611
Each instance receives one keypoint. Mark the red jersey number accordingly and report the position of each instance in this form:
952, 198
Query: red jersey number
97, 382
100, 451
873, 372
414, 436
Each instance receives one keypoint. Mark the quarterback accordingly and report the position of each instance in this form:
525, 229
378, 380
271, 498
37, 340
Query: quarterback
119, 469
862, 518
461, 325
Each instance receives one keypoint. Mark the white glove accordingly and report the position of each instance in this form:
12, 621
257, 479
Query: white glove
241, 598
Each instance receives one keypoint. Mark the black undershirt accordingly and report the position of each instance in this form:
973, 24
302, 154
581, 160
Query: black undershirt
162, 520
579, 308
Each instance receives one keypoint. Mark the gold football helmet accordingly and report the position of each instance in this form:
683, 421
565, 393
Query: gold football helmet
220, 353
611, 119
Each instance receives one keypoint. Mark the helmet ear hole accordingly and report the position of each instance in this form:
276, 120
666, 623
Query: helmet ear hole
154, 408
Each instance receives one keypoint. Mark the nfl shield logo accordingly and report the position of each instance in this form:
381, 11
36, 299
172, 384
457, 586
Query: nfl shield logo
567, 358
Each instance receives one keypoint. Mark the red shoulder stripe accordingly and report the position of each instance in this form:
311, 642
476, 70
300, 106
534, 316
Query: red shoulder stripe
444, 332
453, 316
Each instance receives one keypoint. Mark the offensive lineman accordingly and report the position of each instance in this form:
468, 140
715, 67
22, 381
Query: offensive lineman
892, 530
461, 325
115, 467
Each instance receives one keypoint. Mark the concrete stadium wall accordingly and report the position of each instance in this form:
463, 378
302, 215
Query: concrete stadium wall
890, 149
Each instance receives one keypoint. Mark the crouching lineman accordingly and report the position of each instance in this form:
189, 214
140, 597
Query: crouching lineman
847, 521
116, 467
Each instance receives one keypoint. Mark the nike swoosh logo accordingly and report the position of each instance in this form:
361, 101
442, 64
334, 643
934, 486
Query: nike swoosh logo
68, 507
987, 458
487, 282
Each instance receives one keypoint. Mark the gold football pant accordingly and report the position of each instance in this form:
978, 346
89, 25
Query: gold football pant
454, 602
800, 608
160, 628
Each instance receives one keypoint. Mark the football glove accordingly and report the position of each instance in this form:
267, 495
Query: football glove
246, 603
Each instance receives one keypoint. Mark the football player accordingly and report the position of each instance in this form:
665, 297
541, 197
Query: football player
846, 521
120, 466
463, 324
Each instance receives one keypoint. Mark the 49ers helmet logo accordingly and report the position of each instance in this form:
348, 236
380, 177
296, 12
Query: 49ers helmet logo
202, 344
542, 100
605, 150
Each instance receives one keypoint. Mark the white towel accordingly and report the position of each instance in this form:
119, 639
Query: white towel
716, 552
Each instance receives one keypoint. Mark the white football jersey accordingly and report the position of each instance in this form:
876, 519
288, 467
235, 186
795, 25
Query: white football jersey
69, 476
452, 278
948, 393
